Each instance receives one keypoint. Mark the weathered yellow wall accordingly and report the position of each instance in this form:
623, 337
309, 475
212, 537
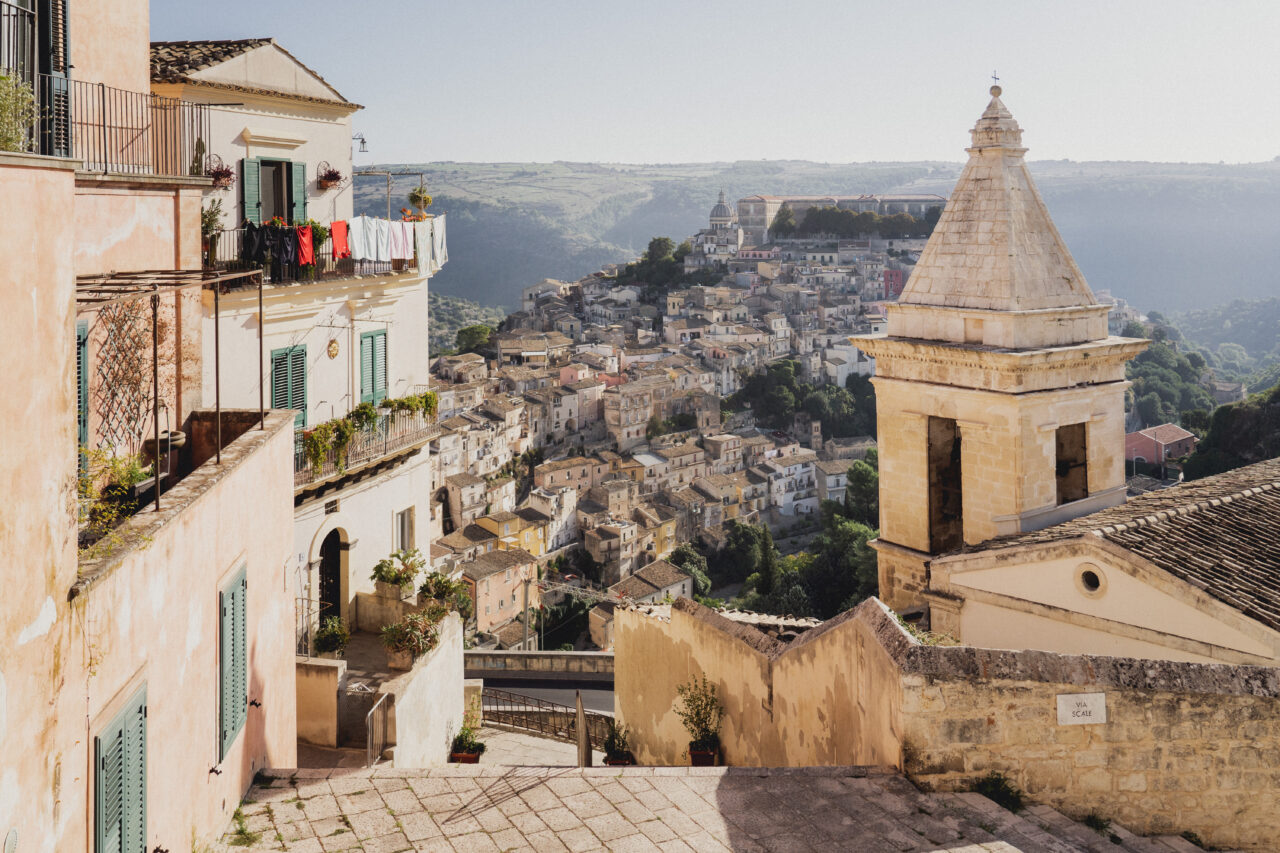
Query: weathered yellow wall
38, 790
318, 683
826, 701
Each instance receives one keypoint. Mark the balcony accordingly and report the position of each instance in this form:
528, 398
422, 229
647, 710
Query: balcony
226, 253
111, 131
392, 434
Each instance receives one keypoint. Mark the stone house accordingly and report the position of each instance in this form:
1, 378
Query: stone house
1158, 443
496, 581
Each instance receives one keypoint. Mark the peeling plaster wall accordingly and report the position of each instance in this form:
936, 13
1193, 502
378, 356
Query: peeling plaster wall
37, 476
122, 227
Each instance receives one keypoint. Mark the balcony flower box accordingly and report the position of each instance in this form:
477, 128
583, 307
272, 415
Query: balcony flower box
394, 591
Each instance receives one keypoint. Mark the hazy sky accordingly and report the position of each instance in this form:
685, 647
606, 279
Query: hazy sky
658, 81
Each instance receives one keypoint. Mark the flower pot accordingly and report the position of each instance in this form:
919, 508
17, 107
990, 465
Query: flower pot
170, 439
464, 757
325, 185
393, 590
402, 660
336, 655
702, 758
620, 761
223, 183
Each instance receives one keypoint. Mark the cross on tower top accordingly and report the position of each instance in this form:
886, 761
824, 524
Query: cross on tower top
995, 87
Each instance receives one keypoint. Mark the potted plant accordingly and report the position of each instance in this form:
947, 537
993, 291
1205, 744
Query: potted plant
699, 709
420, 198
332, 637
617, 747
328, 177
466, 747
393, 576
408, 639
210, 230
223, 176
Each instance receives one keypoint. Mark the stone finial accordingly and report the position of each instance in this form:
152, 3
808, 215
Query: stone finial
996, 128
996, 91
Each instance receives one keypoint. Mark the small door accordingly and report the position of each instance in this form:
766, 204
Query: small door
331, 575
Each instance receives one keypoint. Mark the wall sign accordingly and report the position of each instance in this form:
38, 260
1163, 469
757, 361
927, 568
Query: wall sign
1082, 709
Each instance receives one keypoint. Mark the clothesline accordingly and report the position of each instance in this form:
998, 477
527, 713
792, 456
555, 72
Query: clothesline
362, 238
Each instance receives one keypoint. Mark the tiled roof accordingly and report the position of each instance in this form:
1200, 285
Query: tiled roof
661, 574
172, 61
1220, 534
175, 61
1166, 433
496, 561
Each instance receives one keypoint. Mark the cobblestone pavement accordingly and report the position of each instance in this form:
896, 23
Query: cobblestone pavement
479, 808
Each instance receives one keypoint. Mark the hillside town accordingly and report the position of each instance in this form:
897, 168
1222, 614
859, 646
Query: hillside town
838, 524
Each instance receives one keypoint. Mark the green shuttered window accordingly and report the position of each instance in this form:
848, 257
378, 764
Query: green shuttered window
233, 678
289, 381
373, 367
298, 178
120, 776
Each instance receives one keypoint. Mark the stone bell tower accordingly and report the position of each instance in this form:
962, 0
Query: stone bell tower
1000, 395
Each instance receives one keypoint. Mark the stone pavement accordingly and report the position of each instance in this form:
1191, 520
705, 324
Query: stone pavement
495, 808
514, 749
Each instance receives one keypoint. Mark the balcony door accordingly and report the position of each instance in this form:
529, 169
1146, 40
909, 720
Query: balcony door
272, 188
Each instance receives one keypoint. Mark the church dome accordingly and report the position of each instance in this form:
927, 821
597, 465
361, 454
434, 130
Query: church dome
721, 210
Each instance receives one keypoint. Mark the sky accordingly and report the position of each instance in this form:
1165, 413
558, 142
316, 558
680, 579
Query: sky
677, 81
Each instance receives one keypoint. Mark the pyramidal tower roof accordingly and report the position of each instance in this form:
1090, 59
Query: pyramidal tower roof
995, 246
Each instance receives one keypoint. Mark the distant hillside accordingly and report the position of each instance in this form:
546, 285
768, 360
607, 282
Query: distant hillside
1172, 237
448, 314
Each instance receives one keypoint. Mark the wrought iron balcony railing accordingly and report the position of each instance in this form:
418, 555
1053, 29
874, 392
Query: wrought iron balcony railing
225, 251
393, 432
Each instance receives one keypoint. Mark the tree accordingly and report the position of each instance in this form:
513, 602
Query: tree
1149, 409
862, 494
784, 222
660, 249
843, 570
687, 558
769, 570
682, 251
472, 338
1134, 329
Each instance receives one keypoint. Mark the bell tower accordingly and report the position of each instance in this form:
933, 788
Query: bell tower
999, 393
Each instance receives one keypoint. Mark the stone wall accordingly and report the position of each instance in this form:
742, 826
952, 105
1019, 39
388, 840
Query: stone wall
428, 706
1175, 746
569, 666
319, 682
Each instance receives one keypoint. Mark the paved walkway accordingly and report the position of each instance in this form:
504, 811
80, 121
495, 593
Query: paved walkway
514, 749
491, 809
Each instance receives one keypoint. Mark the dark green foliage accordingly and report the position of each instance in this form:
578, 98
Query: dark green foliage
846, 223
777, 394
1167, 383
472, 338
448, 314
662, 269
561, 624
687, 558
862, 494
676, 423
1239, 434
997, 788
784, 222
1097, 822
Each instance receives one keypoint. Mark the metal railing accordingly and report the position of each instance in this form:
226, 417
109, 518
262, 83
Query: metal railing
532, 714
377, 730
134, 133
17, 42
392, 432
226, 251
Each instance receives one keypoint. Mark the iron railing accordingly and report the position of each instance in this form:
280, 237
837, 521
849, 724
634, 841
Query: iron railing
226, 251
392, 432
377, 730
133, 133
17, 42
532, 714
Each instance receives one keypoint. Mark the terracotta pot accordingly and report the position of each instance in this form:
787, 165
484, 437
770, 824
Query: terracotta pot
702, 758
619, 762
464, 757
402, 660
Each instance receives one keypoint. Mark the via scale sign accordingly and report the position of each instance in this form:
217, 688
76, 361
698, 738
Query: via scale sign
1082, 709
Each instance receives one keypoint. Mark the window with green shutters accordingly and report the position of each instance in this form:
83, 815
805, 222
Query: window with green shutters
82, 384
289, 381
298, 179
373, 366
120, 780
233, 678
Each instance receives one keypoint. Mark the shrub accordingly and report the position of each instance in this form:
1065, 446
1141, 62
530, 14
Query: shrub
997, 788
466, 741
415, 633
332, 636
17, 114
400, 568
617, 741
699, 709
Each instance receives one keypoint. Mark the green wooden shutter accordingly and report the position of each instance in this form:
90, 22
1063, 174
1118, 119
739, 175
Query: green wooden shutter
120, 773
373, 367
82, 385
298, 174
289, 381
232, 660
251, 189
366, 369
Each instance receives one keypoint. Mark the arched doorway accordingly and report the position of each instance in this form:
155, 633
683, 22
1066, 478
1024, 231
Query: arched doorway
331, 575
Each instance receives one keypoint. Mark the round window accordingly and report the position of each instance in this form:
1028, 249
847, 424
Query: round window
1090, 580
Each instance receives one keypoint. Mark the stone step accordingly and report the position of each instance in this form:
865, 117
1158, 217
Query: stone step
1017, 830
1076, 832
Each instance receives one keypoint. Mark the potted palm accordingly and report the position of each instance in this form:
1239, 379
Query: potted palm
408, 639
617, 747
699, 709
332, 638
466, 747
393, 576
